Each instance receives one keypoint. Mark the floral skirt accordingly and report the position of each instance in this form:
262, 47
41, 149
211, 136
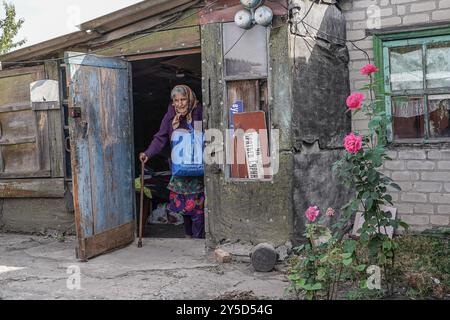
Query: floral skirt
187, 204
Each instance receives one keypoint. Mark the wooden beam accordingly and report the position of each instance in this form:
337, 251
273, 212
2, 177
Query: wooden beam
19, 106
188, 19
30, 174
50, 46
106, 241
164, 54
183, 38
20, 71
132, 14
32, 188
14, 141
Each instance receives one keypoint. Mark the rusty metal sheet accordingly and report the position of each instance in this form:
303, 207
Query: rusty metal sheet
224, 10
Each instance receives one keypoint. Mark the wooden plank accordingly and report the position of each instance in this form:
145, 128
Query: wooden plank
42, 140
56, 133
2, 164
94, 61
46, 47
163, 54
16, 89
32, 188
81, 174
106, 241
14, 141
17, 106
43, 106
183, 38
246, 91
187, 19
20, 71
25, 174
18, 146
132, 14
56, 143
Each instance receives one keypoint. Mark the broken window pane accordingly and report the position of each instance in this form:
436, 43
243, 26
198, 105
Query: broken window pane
439, 108
438, 65
245, 51
408, 117
406, 68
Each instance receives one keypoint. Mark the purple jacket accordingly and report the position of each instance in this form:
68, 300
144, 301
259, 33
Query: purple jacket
165, 131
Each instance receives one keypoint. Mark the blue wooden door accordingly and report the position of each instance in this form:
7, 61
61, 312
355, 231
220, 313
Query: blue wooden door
101, 135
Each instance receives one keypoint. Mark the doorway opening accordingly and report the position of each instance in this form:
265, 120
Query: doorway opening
153, 80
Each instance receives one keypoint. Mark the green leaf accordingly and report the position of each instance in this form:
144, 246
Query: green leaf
387, 245
403, 224
369, 203
346, 262
360, 267
363, 284
395, 186
321, 273
316, 286
347, 255
388, 198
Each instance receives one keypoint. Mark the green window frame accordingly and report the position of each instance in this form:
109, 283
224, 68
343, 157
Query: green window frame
423, 40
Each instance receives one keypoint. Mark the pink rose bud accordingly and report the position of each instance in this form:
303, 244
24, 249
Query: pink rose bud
368, 69
330, 212
352, 143
312, 213
354, 101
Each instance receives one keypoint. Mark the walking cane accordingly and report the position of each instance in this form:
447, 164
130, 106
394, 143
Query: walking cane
141, 207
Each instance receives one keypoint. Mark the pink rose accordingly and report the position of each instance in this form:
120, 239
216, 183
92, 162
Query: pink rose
355, 100
190, 204
330, 212
312, 213
352, 143
368, 69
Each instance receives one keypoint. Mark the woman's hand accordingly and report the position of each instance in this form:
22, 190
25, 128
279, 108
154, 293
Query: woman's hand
143, 157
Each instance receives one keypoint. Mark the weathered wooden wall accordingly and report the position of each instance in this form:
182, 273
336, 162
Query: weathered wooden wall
31, 153
246, 210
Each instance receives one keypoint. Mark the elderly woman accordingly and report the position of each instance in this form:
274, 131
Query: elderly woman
186, 193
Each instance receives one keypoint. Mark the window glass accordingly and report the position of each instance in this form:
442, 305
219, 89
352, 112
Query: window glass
408, 117
439, 108
245, 51
438, 65
406, 68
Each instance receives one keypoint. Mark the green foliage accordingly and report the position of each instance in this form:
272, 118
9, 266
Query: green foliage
9, 28
323, 264
360, 171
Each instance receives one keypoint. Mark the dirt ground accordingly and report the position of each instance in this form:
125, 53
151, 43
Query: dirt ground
36, 267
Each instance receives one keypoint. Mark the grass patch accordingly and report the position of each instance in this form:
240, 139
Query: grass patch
421, 271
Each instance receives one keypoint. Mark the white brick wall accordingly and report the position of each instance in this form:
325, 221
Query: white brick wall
422, 173
424, 177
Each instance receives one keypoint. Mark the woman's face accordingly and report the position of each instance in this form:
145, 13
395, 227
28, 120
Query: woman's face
180, 102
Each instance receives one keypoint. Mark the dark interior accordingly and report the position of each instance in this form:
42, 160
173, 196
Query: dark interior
153, 80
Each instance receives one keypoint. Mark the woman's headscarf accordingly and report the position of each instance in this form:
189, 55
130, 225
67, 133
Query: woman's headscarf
192, 103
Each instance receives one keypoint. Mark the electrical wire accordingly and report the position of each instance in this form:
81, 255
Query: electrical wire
239, 39
144, 35
303, 22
